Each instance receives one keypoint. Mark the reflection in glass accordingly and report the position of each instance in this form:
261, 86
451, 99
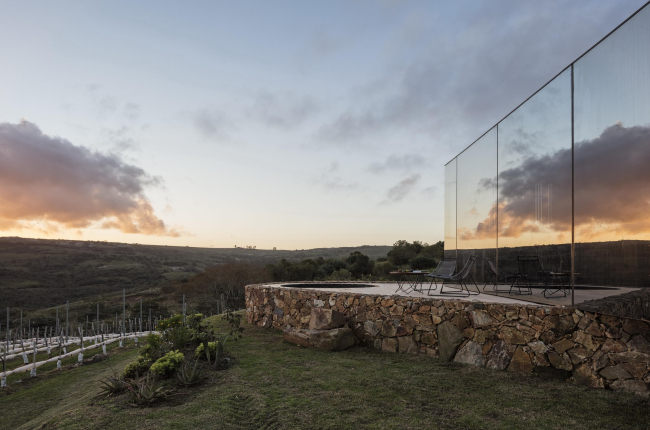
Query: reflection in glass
476, 205
612, 135
450, 209
612, 157
535, 178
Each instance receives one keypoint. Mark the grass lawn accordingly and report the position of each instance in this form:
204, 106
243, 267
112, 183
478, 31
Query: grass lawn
277, 385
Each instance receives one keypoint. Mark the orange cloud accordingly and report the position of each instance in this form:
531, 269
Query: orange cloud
612, 192
49, 181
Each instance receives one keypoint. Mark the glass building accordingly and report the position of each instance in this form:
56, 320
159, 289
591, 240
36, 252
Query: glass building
566, 175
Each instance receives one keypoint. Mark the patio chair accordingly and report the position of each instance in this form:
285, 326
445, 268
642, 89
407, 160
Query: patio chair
461, 279
530, 274
446, 268
499, 276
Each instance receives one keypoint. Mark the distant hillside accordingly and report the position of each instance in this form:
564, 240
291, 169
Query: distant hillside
37, 273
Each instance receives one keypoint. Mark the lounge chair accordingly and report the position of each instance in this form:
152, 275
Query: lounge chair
531, 273
461, 279
446, 268
499, 276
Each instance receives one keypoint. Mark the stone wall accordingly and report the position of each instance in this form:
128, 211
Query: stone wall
593, 349
635, 304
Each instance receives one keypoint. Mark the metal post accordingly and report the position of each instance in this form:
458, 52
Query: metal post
573, 249
123, 312
67, 308
140, 315
21, 324
4, 360
57, 321
150, 319
97, 316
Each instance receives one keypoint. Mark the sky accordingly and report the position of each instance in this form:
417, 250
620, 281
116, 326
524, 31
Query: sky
285, 124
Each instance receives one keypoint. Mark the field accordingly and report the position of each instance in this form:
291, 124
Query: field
277, 385
39, 273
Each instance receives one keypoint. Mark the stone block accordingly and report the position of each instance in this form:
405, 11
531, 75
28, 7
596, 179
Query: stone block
612, 345
481, 319
514, 336
336, 339
389, 345
639, 343
562, 345
499, 356
584, 376
326, 319
615, 372
520, 361
471, 353
371, 328
407, 345
449, 339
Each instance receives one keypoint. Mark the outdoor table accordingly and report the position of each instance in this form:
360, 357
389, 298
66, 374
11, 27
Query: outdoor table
411, 278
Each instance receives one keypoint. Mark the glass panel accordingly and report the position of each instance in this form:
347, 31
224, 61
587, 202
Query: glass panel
477, 201
535, 179
612, 158
450, 209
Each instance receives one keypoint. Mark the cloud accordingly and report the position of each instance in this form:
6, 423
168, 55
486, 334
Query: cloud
49, 181
282, 110
612, 190
406, 162
131, 111
464, 80
212, 124
330, 180
402, 189
121, 139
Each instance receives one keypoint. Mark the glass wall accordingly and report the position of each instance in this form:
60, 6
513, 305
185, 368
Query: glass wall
450, 209
612, 157
535, 179
570, 166
476, 216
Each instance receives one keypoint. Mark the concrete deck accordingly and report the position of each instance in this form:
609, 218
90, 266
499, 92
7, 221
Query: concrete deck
388, 289
582, 294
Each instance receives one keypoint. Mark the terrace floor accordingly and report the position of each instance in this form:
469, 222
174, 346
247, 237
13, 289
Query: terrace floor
582, 293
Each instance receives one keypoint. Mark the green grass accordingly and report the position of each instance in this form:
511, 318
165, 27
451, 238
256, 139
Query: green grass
277, 385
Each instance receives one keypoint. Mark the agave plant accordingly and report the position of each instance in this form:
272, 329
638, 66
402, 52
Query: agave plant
146, 391
113, 385
189, 375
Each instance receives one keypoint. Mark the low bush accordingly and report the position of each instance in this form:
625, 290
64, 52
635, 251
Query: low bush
168, 364
169, 323
154, 347
138, 367
212, 348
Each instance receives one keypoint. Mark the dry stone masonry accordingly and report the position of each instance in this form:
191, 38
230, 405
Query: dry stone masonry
594, 349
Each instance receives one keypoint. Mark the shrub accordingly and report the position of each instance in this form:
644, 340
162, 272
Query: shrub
383, 269
422, 262
341, 275
172, 322
168, 364
154, 347
138, 367
195, 322
178, 337
212, 348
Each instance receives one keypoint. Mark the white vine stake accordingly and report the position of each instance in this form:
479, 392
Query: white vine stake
3, 382
81, 357
58, 364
